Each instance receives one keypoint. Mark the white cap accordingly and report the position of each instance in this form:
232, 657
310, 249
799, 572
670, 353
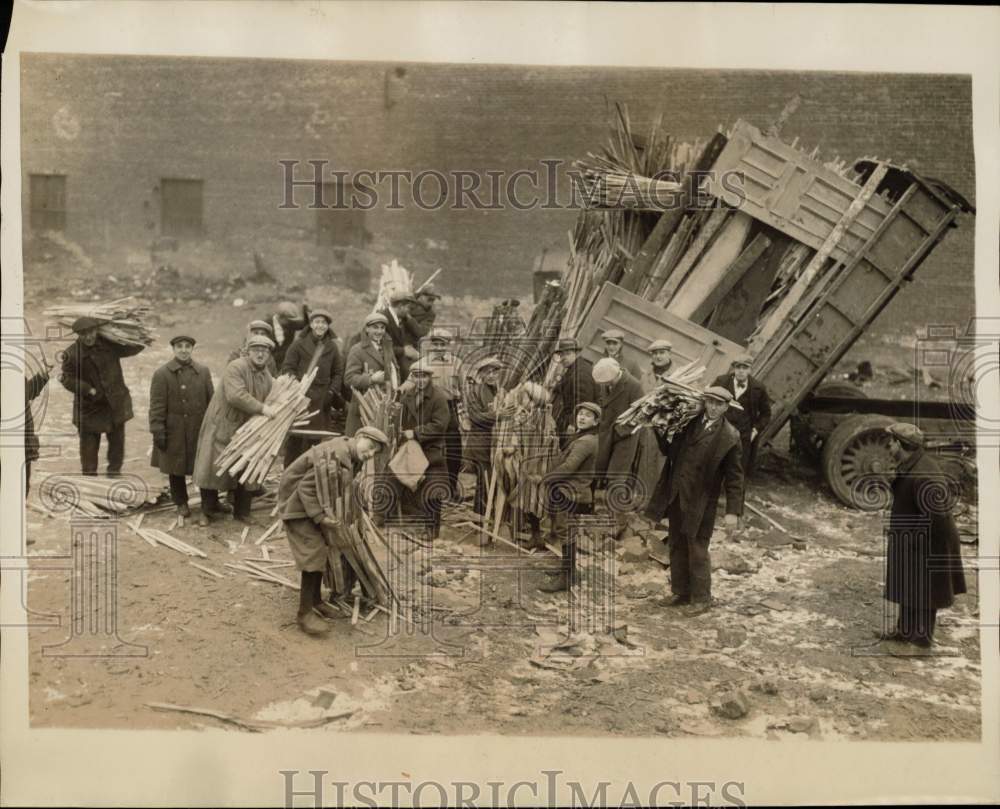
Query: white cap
606, 370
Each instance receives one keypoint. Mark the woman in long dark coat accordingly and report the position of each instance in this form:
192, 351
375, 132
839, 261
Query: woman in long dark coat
179, 394
924, 558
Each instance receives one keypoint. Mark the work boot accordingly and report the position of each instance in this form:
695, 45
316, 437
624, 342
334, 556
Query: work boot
312, 624
202, 520
698, 607
328, 611
183, 510
674, 601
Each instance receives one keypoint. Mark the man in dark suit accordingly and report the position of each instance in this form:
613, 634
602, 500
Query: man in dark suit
404, 345
617, 445
924, 559
575, 385
755, 402
700, 459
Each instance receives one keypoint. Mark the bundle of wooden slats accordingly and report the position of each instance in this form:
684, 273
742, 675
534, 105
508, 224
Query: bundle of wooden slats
94, 496
253, 448
395, 278
669, 407
155, 537
121, 320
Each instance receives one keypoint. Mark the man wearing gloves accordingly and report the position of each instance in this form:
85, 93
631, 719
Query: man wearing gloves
316, 498
92, 372
179, 395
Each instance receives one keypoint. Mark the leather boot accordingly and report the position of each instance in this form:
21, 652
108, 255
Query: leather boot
308, 621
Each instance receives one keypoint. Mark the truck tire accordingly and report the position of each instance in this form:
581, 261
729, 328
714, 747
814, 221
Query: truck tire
857, 464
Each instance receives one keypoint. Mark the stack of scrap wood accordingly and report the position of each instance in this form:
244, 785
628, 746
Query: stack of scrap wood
669, 407
121, 320
84, 495
252, 450
395, 278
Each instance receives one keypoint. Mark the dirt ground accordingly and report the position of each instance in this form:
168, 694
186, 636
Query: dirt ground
786, 653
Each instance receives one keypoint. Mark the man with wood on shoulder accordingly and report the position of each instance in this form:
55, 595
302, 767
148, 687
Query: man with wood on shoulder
316, 500
370, 363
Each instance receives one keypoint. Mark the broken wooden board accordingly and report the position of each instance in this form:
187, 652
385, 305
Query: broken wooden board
732, 276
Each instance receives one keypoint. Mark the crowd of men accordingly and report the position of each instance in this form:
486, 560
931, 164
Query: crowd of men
449, 410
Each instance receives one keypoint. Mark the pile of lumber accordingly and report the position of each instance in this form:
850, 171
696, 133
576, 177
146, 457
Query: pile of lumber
254, 447
395, 278
93, 496
670, 407
121, 320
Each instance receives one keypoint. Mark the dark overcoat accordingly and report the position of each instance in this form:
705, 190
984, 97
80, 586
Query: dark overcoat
427, 414
923, 557
33, 387
325, 387
364, 359
419, 322
756, 403
576, 385
617, 445
179, 394
699, 463
482, 417
400, 339
574, 465
99, 367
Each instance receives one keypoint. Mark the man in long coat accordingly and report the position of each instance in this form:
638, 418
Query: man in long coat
649, 460
246, 383
419, 322
307, 502
370, 362
752, 396
614, 345
286, 323
315, 348
446, 368
424, 418
575, 385
924, 558
481, 412
702, 458
568, 486
179, 394
102, 404
617, 445
263, 329
404, 346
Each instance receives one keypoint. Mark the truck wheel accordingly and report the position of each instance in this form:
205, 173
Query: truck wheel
857, 464
804, 442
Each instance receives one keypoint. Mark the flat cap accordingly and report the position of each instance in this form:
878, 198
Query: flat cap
743, 359
661, 345
374, 434
613, 334
181, 337
489, 362
288, 310
606, 370
400, 296
421, 366
259, 340
593, 408
906, 433
718, 392
566, 345
314, 313
441, 335
427, 289
85, 322
376, 317
260, 324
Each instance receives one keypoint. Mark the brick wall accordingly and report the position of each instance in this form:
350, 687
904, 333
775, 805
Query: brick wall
117, 125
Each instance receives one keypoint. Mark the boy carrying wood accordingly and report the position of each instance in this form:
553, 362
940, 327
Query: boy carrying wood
317, 504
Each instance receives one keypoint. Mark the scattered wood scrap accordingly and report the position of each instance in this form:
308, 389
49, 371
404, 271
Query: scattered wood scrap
252, 725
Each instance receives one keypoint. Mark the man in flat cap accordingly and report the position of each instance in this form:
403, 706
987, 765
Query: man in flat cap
649, 459
404, 346
420, 319
370, 363
246, 383
574, 384
569, 489
446, 368
179, 394
661, 361
260, 328
755, 414
614, 345
286, 323
424, 419
616, 452
924, 558
702, 458
317, 502
92, 372
315, 349
481, 411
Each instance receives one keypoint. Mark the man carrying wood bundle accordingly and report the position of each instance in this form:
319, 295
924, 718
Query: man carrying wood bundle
92, 372
575, 385
649, 462
316, 497
315, 348
614, 342
246, 383
287, 321
569, 492
259, 328
424, 419
482, 416
420, 319
617, 389
752, 396
403, 344
700, 458
179, 395
447, 378
923, 559
370, 362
